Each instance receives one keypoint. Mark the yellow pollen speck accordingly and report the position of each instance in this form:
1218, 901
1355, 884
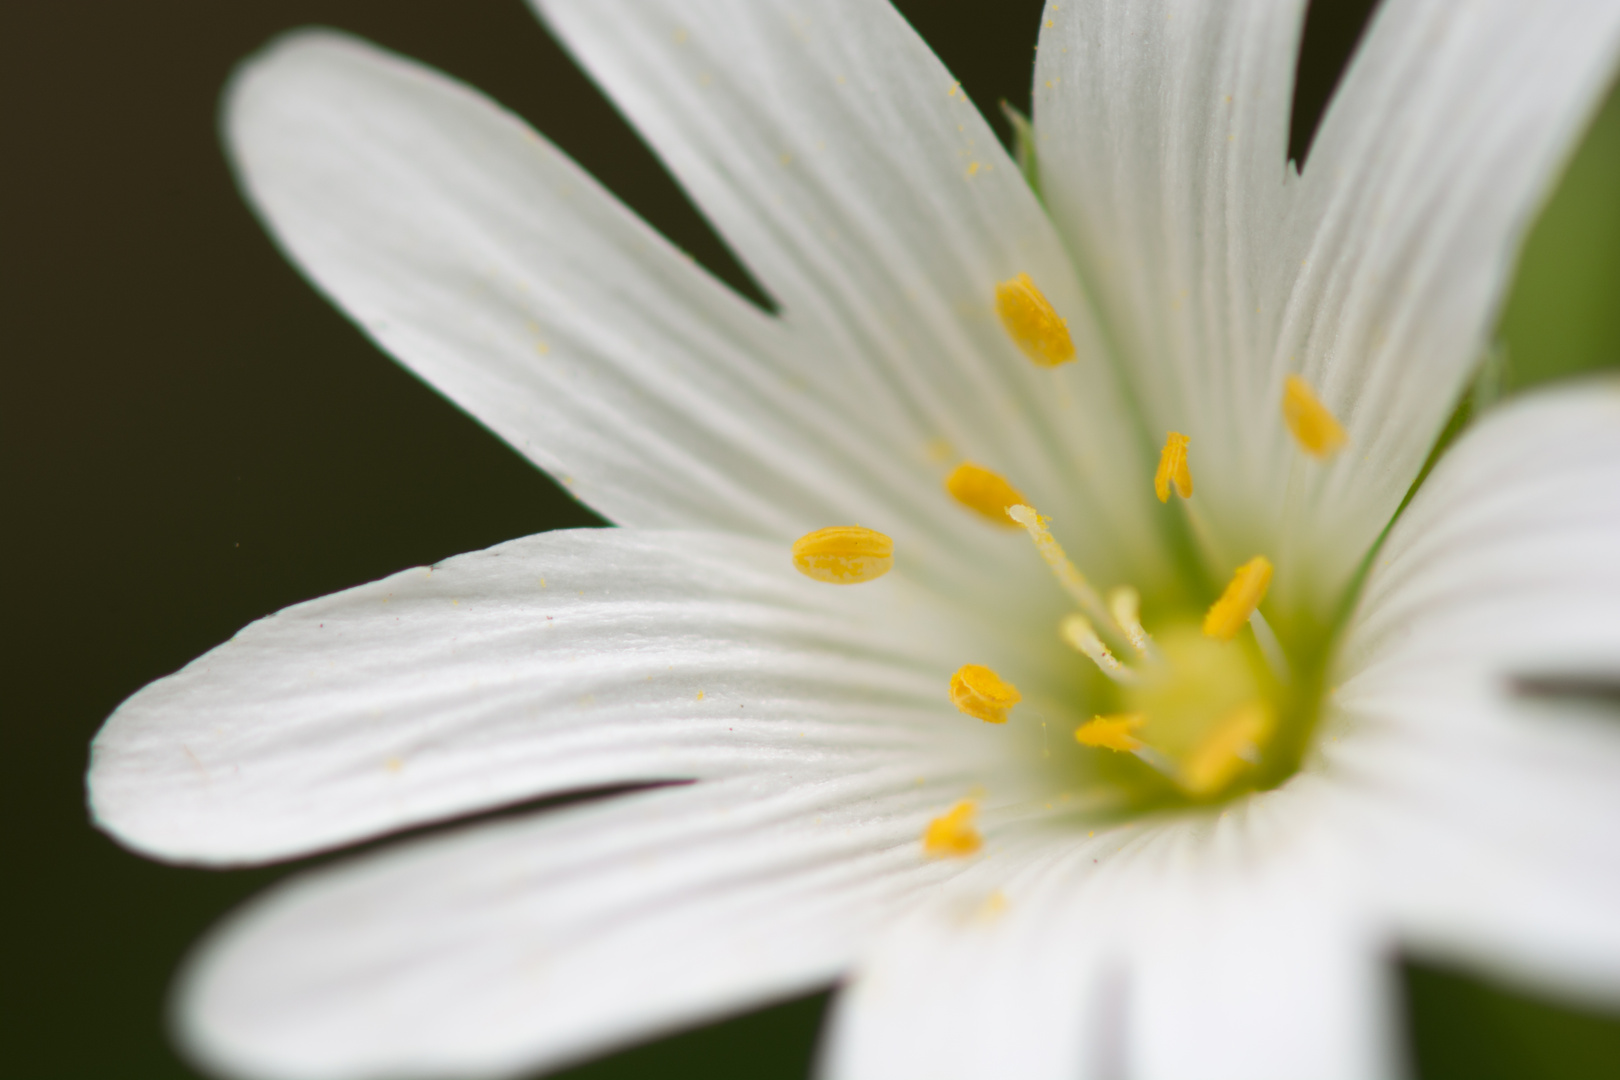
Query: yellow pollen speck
981, 693
700, 695
952, 834
843, 555
393, 764
1248, 587
984, 492
1316, 429
1111, 732
973, 168
1032, 322
1227, 750
1173, 468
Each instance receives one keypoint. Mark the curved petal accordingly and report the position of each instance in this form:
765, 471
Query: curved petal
851, 174
1163, 136
1496, 597
504, 948
503, 275
543, 665
1189, 947
1009, 973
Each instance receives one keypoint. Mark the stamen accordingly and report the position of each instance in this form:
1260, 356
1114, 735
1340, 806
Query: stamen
1248, 587
1032, 322
1112, 732
981, 693
843, 555
984, 492
1073, 582
1316, 429
1078, 632
1125, 605
1230, 748
952, 834
1270, 648
1173, 468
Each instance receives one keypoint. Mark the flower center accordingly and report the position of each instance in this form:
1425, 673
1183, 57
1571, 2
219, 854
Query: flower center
1196, 706
1198, 712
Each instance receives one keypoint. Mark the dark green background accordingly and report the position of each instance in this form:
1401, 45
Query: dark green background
193, 439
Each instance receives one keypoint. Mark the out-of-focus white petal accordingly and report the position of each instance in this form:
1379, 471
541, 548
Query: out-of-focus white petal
1489, 777
1012, 971
1253, 959
548, 664
852, 175
506, 947
492, 266
1162, 132
1193, 946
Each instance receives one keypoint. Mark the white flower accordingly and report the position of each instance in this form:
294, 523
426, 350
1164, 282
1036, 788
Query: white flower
1223, 902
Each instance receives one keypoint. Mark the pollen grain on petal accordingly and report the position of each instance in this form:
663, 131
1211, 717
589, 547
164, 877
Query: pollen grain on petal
1243, 594
843, 555
1111, 732
1032, 322
1314, 427
981, 693
1173, 468
984, 492
952, 835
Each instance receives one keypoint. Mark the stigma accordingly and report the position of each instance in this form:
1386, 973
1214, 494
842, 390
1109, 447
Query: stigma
1313, 425
843, 555
1033, 323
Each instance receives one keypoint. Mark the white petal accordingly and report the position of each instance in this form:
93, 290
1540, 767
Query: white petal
498, 271
851, 174
1266, 966
512, 946
1163, 136
1190, 947
549, 664
1499, 807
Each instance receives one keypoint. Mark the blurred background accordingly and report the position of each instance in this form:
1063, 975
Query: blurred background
194, 439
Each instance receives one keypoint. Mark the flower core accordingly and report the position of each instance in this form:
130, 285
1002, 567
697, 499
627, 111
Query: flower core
1197, 712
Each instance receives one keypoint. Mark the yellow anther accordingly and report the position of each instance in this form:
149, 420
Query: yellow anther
1233, 746
1111, 732
952, 835
981, 693
984, 492
1317, 430
843, 555
1125, 605
1073, 582
1248, 587
1033, 323
1082, 636
1173, 468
